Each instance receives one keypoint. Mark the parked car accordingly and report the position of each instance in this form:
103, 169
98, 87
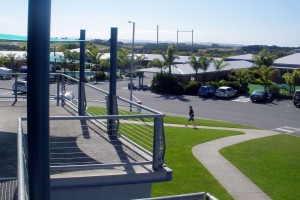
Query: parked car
5, 73
226, 92
134, 86
206, 91
259, 95
68, 96
20, 86
296, 98
143, 87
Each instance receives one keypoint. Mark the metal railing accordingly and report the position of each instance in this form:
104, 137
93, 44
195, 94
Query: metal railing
135, 137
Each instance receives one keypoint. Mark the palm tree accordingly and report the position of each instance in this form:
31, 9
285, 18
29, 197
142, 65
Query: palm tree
156, 63
244, 78
205, 62
195, 63
64, 60
220, 64
290, 78
169, 58
12, 61
264, 58
94, 55
266, 73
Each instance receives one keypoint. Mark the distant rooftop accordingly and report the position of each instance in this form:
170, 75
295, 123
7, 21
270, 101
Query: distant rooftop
293, 59
186, 69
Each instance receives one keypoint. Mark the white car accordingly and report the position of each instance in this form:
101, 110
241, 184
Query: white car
226, 92
5, 73
68, 96
20, 86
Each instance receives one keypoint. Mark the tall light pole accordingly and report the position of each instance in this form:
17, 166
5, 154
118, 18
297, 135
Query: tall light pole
132, 61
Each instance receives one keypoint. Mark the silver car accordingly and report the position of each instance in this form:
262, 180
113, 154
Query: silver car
225, 92
20, 86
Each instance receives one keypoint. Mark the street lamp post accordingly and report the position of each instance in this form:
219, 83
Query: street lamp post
132, 61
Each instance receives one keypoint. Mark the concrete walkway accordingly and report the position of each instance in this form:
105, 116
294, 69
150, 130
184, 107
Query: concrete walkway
236, 183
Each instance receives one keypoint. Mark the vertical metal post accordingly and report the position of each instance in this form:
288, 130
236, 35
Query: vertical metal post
58, 77
81, 73
159, 144
15, 91
157, 34
132, 62
177, 42
111, 110
193, 40
38, 55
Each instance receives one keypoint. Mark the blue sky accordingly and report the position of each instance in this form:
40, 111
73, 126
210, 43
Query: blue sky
248, 22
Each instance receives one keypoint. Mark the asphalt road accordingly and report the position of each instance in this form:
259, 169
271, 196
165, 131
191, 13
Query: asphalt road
279, 115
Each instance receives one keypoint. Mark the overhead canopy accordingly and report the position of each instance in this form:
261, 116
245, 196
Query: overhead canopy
24, 38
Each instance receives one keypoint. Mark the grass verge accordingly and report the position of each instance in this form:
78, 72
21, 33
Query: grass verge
204, 122
272, 163
189, 175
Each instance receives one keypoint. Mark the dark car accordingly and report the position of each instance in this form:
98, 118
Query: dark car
296, 98
206, 91
134, 86
259, 95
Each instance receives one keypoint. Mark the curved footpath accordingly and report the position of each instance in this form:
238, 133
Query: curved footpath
237, 184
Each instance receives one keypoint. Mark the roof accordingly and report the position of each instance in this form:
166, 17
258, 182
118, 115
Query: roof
24, 38
248, 57
293, 59
186, 69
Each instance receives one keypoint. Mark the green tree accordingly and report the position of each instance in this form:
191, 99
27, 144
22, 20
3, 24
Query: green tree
139, 59
12, 61
169, 57
219, 65
3, 61
94, 55
266, 73
123, 59
195, 63
72, 57
244, 78
205, 62
156, 63
264, 58
64, 59
291, 78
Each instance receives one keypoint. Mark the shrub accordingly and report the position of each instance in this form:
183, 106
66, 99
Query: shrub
100, 76
191, 88
258, 81
223, 82
213, 83
275, 90
165, 83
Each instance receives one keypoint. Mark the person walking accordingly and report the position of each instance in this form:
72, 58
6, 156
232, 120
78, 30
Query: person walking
191, 117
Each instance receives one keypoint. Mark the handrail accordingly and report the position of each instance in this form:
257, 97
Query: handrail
21, 174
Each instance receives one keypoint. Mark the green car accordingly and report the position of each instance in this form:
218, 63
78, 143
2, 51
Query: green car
259, 95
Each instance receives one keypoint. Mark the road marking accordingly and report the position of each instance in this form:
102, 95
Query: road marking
287, 129
242, 99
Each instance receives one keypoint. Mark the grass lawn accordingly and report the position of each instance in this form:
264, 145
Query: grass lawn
96, 110
273, 163
189, 175
203, 122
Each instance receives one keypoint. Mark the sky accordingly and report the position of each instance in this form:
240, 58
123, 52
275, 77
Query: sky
245, 22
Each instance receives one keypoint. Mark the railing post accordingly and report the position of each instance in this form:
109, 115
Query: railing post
159, 145
112, 101
63, 90
81, 102
38, 55
57, 88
